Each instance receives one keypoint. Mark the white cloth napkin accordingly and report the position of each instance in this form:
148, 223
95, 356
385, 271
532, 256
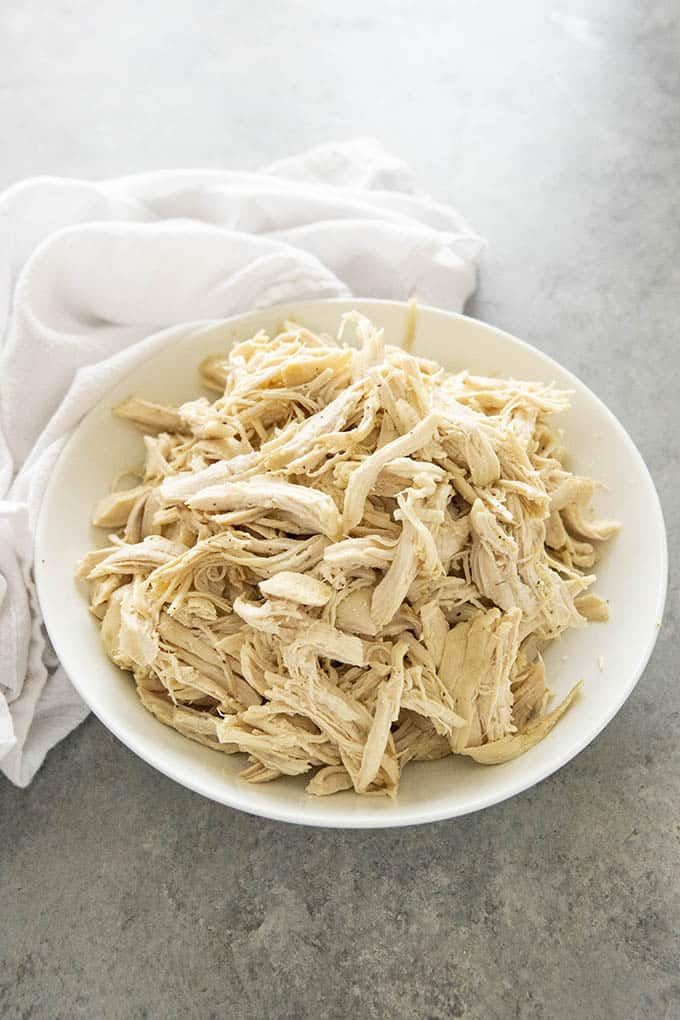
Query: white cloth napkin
89, 269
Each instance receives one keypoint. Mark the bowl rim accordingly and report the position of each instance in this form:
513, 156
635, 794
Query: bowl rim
420, 814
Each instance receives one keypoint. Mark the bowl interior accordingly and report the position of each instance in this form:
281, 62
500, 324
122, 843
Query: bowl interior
609, 658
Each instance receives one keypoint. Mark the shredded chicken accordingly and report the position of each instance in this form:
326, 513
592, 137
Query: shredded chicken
349, 561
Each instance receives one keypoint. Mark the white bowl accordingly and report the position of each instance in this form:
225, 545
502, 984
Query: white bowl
609, 657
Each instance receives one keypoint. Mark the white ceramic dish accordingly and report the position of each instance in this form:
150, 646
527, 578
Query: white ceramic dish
632, 575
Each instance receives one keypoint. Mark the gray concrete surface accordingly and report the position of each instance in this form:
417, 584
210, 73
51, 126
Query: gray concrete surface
555, 127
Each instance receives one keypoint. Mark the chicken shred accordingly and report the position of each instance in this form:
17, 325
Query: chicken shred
348, 561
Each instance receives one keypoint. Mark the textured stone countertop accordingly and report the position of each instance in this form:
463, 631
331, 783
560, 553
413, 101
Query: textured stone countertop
555, 127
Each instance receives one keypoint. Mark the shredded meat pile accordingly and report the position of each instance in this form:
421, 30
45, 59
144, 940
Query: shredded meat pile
348, 561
